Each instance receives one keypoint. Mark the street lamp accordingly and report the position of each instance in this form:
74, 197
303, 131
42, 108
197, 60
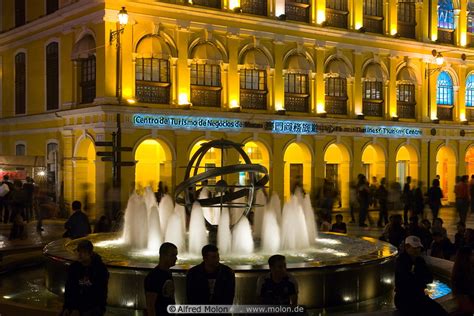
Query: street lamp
438, 60
115, 35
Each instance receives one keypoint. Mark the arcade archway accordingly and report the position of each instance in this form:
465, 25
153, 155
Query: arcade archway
297, 160
469, 159
154, 164
258, 154
337, 170
446, 169
407, 164
85, 175
373, 161
212, 159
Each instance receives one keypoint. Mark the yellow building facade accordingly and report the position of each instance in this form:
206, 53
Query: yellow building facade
313, 89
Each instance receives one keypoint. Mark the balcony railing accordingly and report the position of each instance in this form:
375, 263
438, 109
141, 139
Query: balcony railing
445, 113
336, 105
208, 3
406, 29
257, 7
373, 108
405, 110
373, 24
153, 92
297, 10
206, 96
87, 91
445, 36
253, 99
336, 18
470, 113
296, 102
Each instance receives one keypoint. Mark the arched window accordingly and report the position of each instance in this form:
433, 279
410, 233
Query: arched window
298, 10
470, 90
406, 101
336, 87
253, 81
20, 83
20, 150
470, 18
297, 84
445, 96
446, 24
84, 54
373, 16
52, 76
206, 76
152, 71
257, 7
446, 14
444, 89
337, 13
406, 18
372, 94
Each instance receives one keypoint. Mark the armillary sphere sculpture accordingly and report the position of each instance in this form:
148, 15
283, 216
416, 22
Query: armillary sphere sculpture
225, 195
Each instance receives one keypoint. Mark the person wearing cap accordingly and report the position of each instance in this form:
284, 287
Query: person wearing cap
86, 285
411, 278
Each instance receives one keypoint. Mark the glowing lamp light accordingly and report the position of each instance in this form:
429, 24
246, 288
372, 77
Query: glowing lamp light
393, 31
234, 104
463, 40
434, 37
439, 59
279, 107
41, 173
279, 7
320, 108
462, 116
183, 98
131, 101
358, 25
320, 16
234, 4
123, 16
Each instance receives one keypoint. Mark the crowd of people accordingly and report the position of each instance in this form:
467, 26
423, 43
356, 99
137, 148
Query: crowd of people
23, 201
212, 282
208, 283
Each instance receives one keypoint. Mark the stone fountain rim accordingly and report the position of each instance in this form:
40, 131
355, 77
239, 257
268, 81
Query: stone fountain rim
56, 250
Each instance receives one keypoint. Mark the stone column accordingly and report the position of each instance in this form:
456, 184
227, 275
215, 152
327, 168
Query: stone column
421, 29
392, 88
279, 84
183, 80
458, 29
357, 88
320, 93
461, 113
233, 43
67, 171
434, 20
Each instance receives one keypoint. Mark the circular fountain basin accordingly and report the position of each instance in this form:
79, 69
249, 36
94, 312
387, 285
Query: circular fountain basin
338, 270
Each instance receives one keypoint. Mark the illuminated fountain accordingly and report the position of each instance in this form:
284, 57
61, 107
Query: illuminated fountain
361, 268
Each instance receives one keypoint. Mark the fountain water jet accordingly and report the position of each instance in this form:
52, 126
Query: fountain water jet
270, 231
174, 233
224, 235
197, 230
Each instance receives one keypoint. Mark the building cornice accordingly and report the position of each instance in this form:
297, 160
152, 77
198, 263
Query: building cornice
314, 34
60, 21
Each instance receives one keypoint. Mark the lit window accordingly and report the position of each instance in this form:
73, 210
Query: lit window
446, 14
444, 89
470, 90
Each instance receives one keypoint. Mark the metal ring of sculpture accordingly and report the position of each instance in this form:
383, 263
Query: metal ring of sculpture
185, 191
